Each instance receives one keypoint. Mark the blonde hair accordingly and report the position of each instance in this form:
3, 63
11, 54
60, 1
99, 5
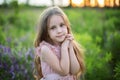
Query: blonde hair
42, 34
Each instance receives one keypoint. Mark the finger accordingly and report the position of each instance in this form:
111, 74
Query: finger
70, 38
68, 35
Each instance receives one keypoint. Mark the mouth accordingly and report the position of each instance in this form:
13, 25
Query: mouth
60, 36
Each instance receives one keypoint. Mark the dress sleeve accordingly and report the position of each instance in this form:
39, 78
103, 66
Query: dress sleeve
37, 50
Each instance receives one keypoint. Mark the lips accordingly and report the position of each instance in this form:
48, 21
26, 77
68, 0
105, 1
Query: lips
60, 36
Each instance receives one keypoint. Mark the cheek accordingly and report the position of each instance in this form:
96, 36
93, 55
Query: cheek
66, 30
51, 33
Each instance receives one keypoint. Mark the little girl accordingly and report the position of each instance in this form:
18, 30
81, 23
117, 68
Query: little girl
57, 55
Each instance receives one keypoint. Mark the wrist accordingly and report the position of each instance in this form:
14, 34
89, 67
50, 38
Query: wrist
64, 47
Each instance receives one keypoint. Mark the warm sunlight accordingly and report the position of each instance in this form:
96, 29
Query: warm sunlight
92, 3
96, 3
117, 2
73, 3
79, 3
101, 3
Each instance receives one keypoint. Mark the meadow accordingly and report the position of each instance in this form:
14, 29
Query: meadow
96, 29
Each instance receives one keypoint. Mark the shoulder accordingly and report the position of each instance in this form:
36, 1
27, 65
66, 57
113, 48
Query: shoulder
45, 49
47, 54
42, 48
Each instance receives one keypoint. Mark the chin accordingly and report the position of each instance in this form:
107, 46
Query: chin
61, 40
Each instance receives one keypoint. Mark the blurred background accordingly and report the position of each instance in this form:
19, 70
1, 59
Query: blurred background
95, 25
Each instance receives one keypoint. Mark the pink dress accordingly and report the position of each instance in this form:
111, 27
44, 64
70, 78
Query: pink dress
47, 71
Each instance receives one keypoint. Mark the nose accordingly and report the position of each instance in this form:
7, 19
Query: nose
59, 29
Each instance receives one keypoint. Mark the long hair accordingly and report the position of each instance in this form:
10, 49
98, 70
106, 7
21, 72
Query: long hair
42, 34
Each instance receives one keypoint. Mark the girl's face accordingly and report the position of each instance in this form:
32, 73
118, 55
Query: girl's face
57, 29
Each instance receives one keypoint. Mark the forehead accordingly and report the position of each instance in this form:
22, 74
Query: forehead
55, 19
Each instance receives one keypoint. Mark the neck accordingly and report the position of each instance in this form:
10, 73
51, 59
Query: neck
57, 44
